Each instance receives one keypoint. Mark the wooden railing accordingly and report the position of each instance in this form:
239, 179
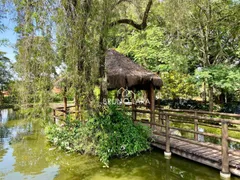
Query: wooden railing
62, 112
166, 118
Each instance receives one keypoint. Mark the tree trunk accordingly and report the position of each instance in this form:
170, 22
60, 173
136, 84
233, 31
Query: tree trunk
210, 98
65, 100
222, 97
77, 105
102, 72
204, 93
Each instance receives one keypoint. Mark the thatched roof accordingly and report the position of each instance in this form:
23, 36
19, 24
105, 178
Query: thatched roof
123, 72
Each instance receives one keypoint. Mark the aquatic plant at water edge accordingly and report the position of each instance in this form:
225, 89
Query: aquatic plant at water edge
109, 133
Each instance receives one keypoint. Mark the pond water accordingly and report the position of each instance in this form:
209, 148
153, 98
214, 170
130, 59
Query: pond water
25, 154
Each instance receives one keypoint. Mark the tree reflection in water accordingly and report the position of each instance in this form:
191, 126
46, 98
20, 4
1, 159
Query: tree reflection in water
33, 158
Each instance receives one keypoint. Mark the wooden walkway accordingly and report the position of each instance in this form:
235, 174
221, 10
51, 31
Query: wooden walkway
207, 156
220, 156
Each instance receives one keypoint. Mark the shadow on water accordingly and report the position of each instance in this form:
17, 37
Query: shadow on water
25, 154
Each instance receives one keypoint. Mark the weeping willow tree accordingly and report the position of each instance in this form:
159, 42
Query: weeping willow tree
73, 33
35, 63
79, 29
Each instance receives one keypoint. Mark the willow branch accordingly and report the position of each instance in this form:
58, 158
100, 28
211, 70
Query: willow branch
120, 1
141, 26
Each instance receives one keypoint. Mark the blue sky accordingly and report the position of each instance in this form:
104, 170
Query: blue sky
10, 35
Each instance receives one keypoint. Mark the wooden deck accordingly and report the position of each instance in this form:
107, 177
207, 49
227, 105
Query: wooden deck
205, 155
220, 156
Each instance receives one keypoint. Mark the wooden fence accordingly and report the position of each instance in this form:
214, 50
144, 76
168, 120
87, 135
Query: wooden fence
60, 112
166, 118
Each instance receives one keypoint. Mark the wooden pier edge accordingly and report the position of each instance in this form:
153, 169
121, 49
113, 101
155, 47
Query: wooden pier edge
220, 156
198, 159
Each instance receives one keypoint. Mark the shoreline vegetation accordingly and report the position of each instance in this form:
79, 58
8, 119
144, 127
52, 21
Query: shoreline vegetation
108, 133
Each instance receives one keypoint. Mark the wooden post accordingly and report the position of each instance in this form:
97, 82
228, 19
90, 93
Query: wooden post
54, 116
122, 96
152, 103
160, 118
134, 114
65, 100
195, 127
225, 159
167, 152
77, 106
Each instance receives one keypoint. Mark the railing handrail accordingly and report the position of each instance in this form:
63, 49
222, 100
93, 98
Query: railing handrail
202, 112
194, 119
191, 116
157, 107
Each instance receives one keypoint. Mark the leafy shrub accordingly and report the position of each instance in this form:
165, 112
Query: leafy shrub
232, 107
56, 97
109, 133
184, 104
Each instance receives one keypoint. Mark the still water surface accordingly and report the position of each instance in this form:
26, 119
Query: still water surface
25, 154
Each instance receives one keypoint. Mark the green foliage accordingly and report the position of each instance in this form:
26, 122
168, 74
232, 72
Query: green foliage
222, 77
5, 74
178, 85
3, 27
109, 133
35, 69
150, 49
56, 97
205, 30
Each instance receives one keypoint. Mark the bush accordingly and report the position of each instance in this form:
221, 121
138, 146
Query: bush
56, 97
109, 133
232, 107
183, 104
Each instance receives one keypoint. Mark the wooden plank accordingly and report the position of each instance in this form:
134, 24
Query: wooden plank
234, 139
181, 144
202, 112
203, 118
167, 135
209, 145
204, 152
225, 160
205, 155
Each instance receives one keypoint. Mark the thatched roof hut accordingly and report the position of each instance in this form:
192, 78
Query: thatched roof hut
123, 72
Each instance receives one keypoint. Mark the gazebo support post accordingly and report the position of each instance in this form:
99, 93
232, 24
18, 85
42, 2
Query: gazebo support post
152, 103
122, 96
134, 114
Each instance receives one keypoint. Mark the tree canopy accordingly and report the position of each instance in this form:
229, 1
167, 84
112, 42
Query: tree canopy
183, 41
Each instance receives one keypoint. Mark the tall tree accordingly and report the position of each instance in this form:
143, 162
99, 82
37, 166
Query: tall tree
206, 30
5, 64
5, 74
36, 57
